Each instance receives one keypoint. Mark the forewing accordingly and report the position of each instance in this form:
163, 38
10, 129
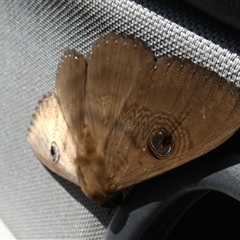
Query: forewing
70, 87
176, 112
48, 128
113, 66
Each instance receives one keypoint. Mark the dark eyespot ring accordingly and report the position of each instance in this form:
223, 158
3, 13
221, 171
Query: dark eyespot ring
160, 143
54, 153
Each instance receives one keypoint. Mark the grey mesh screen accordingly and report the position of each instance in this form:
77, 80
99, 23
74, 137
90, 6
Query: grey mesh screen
35, 203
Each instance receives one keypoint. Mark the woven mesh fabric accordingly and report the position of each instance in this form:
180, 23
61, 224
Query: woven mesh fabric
35, 203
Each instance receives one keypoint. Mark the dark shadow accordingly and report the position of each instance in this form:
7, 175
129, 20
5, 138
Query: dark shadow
197, 215
214, 216
103, 214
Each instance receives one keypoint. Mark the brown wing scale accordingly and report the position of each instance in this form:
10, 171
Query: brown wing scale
194, 107
48, 128
70, 88
113, 66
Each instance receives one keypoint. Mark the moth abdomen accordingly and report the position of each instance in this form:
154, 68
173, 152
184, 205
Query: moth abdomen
95, 178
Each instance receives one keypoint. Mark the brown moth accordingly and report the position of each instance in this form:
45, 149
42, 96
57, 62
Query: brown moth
120, 117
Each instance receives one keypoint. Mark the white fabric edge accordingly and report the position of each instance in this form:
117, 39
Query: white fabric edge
5, 233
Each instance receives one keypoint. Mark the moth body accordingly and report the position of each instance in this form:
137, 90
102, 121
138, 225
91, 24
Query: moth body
119, 116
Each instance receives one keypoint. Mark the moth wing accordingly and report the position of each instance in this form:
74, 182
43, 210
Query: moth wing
48, 126
70, 87
196, 108
113, 65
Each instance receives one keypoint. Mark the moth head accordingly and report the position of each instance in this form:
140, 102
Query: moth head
51, 140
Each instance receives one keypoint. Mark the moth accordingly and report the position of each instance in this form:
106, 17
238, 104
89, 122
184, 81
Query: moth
119, 116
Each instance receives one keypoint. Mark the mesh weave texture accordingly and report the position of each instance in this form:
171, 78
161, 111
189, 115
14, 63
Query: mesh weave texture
35, 203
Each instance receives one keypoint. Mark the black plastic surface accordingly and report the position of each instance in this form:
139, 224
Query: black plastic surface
227, 11
166, 207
